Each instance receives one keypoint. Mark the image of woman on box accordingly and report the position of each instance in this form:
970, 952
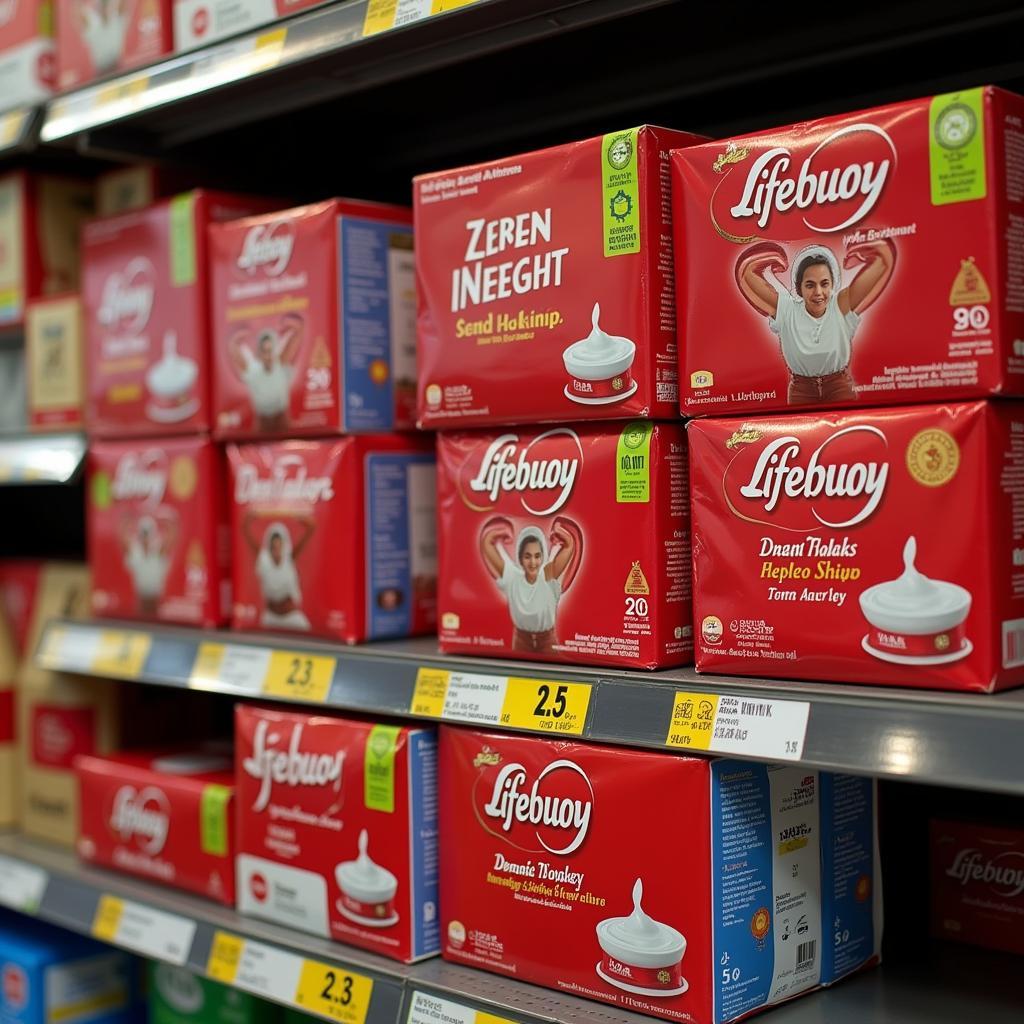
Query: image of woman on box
815, 322
275, 569
268, 374
148, 546
535, 579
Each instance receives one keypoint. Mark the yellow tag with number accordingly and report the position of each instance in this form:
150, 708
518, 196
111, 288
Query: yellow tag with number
431, 690
121, 654
206, 668
225, 956
693, 721
108, 918
333, 992
546, 706
299, 676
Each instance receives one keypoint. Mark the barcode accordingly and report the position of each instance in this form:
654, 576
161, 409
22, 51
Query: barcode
749, 707
805, 953
1013, 643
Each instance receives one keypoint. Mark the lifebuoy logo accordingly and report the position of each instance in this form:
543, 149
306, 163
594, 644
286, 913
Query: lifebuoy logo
127, 300
1003, 873
288, 481
141, 477
267, 247
143, 815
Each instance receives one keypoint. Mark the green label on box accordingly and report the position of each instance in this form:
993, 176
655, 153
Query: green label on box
620, 192
213, 820
633, 463
379, 768
956, 146
183, 240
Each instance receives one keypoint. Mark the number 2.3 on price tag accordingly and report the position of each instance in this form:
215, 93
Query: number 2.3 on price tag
299, 676
333, 992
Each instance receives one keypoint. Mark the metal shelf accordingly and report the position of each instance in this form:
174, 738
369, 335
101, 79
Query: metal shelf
18, 131
41, 458
964, 740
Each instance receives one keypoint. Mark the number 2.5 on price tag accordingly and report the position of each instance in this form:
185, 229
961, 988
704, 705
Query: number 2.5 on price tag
333, 992
299, 676
546, 706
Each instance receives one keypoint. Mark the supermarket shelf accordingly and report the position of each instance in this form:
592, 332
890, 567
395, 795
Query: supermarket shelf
950, 985
18, 131
41, 458
964, 740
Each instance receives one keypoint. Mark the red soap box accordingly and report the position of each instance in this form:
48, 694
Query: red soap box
871, 258
98, 37
145, 299
337, 828
545, 285
157, 531
844, 545
977, 890
313, 313
335, 538
168, 816
567, 544
27, 57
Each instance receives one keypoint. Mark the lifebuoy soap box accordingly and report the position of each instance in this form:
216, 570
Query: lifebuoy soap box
167, 816
335, 538
145, 300
314, 313
566, 544
870, 258
337, 828
728, 905
545, 285
157, 531
28, 67
822, 547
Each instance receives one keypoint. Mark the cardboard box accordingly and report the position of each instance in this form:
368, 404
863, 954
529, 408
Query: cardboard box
56, 374
177, 996
314, 316
869, 258
566, 544
137, 186
28, 70
337, 828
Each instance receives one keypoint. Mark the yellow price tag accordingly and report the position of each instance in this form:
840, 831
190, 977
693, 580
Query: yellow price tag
441, 6
121, 654
225, 956
431, 690
107, 919
333, 992
10, 125
268, 49
117, 91
693, 721
299, 676
206, 668
380, 16
546, 706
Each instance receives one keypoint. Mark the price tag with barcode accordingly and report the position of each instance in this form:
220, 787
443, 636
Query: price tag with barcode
427, 1008
144, 930
235, 667
21, 885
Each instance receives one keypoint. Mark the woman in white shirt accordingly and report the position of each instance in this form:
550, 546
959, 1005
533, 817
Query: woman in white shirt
276, 571
147, 559
268, 374
535, 580
817, 321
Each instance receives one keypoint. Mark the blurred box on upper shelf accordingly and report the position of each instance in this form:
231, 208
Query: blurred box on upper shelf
157, 531
690, 889
337, 828
55, 385
9, 660
179, 996
567, 544
167, 816
51, 974
99, 37
137, 186
40, 219
868, 258
977, 884
545, 285
201, 22
845, 545
28, 59
314, 321
145, 292
335, 538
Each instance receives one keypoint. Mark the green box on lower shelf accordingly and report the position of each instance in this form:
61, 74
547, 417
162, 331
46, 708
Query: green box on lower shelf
177, 996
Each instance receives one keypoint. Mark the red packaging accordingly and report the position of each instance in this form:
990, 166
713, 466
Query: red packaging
313, 321
157, 531
145, 294
19, 579
823, 549
601, 512
545, 285
871, 258
305, 557
98, 37
168, 816
27, 59
337, 828
977, 891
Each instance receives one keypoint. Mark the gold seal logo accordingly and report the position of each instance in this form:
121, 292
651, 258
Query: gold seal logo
183, 478
933, 457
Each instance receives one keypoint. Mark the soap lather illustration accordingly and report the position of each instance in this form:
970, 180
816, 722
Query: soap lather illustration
367, 889
599, 366
267, 368
916, 620
641, 955
535, 578
171, 384
276, 555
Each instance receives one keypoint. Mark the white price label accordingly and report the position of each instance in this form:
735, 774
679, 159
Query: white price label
474, 698
21, 885
232, 666
69, 648
144, 930
426, 1008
